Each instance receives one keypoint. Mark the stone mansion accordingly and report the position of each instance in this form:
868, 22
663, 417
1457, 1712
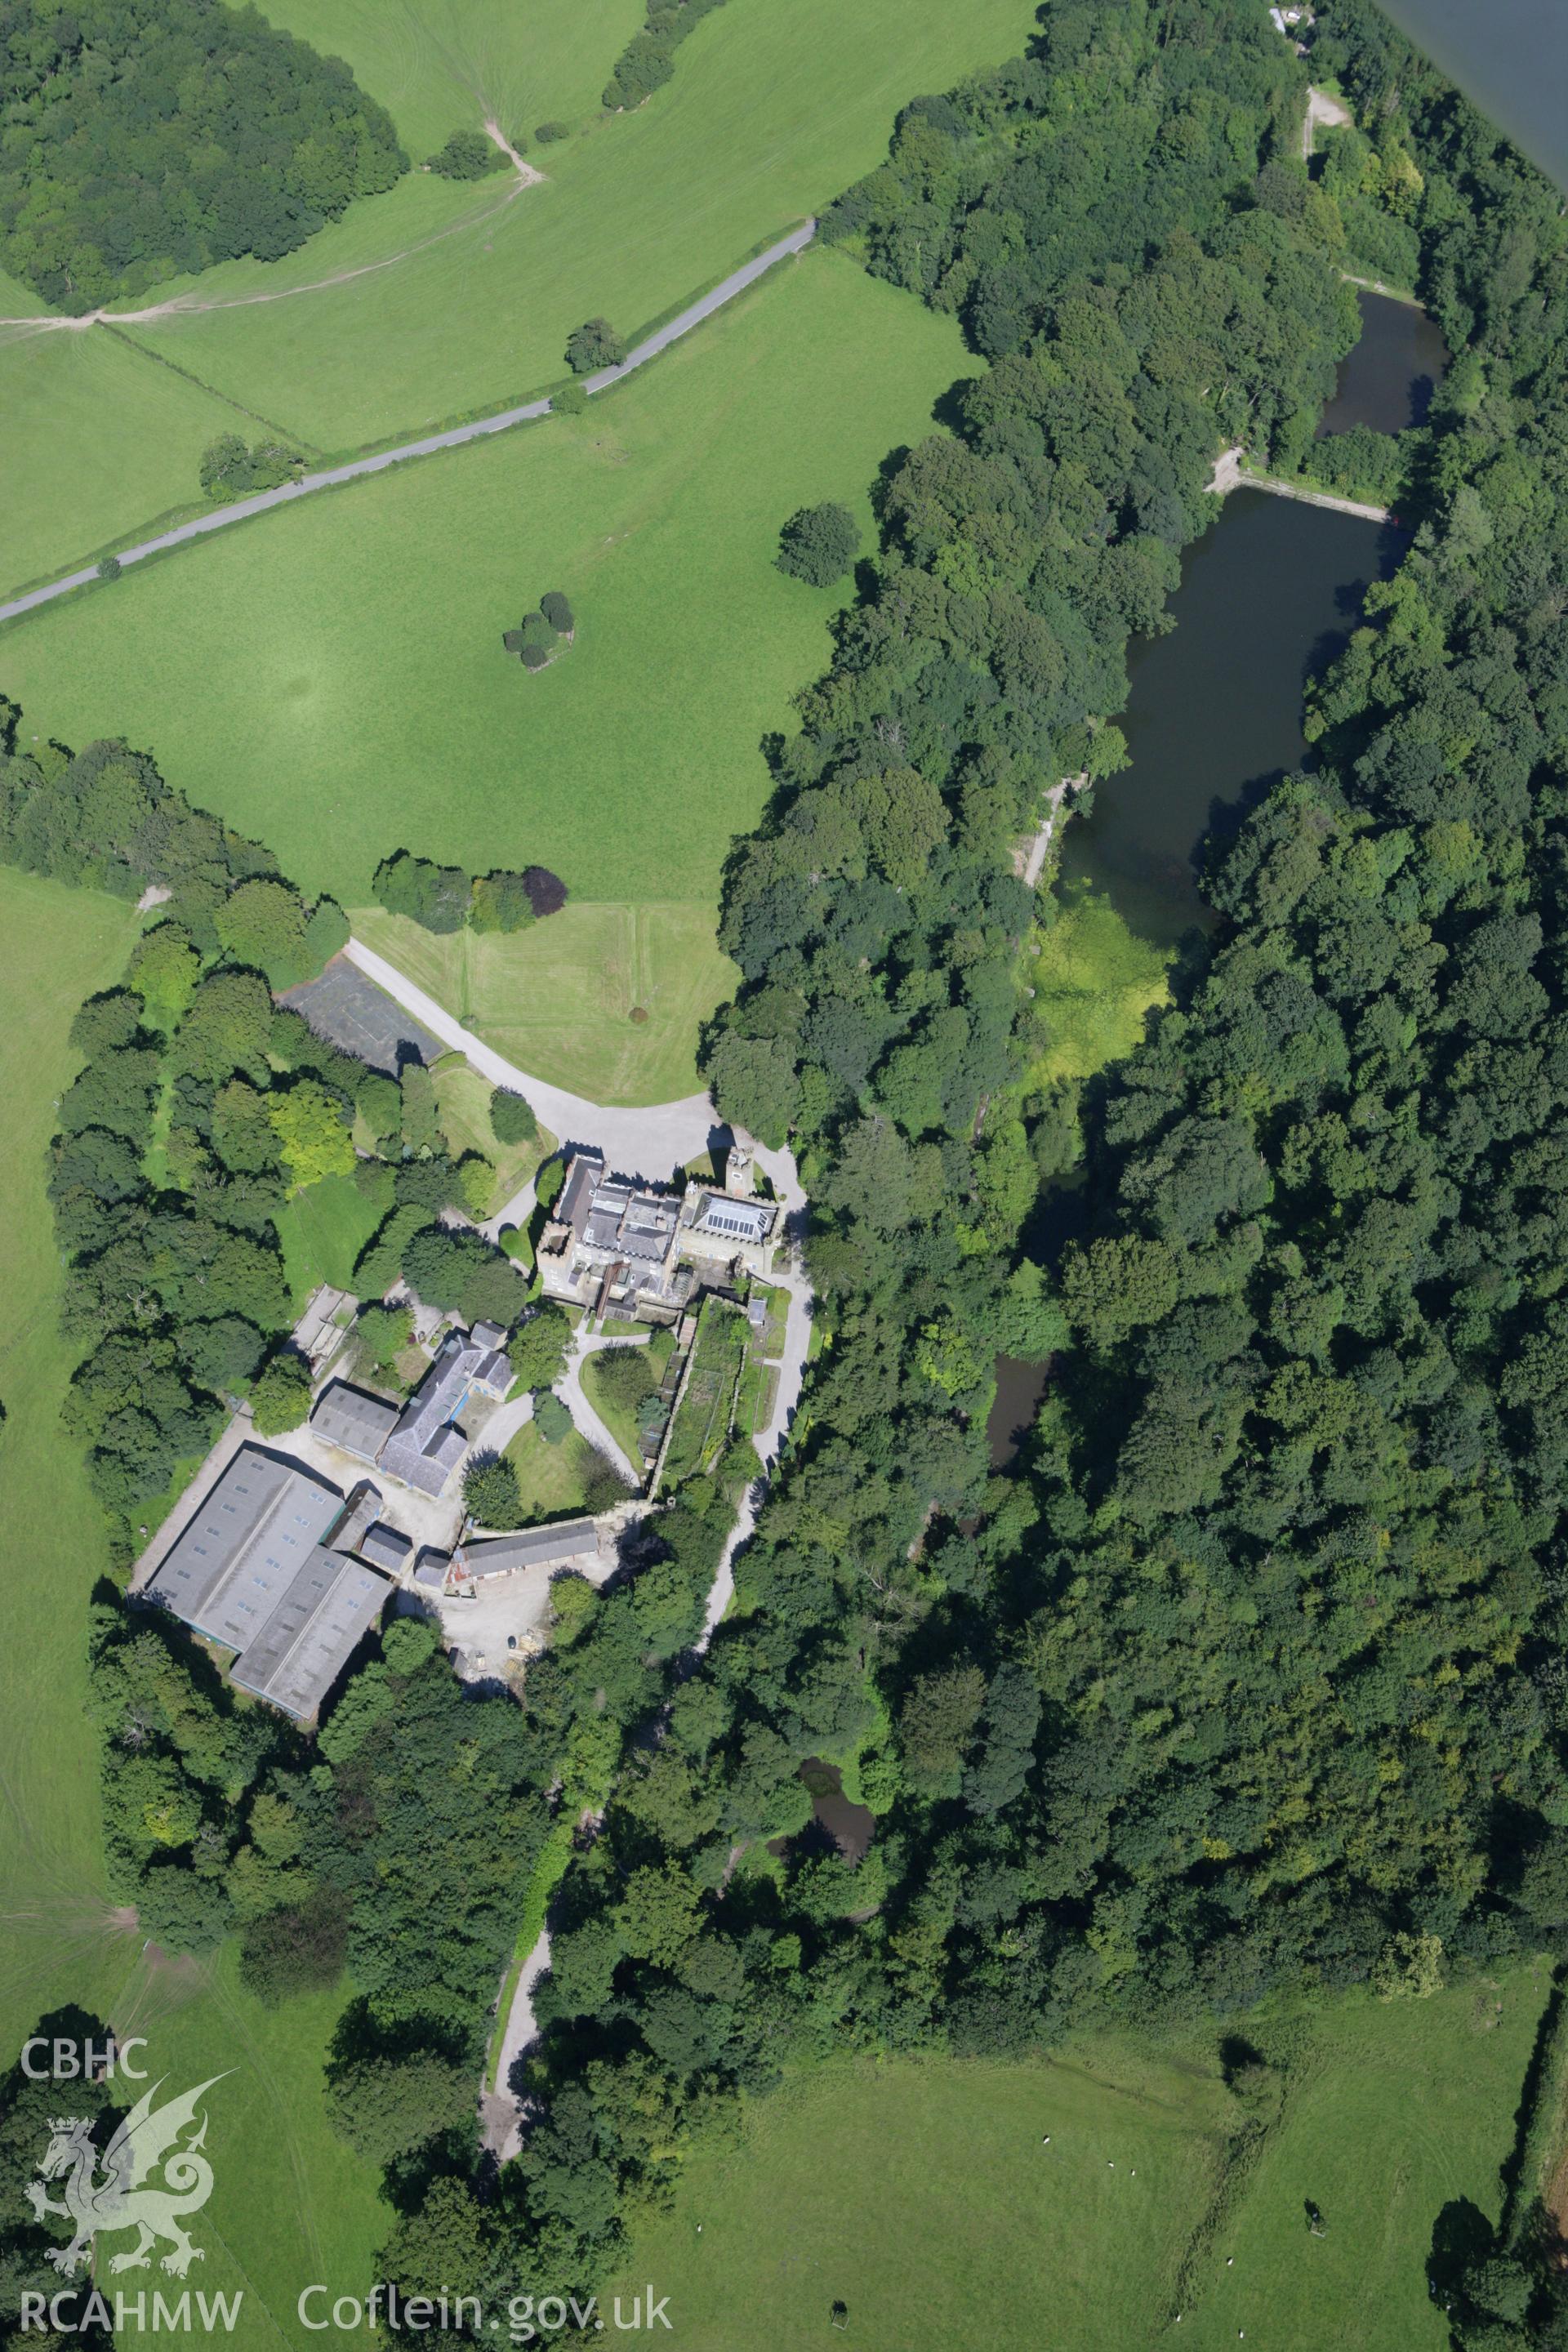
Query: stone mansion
643, 1253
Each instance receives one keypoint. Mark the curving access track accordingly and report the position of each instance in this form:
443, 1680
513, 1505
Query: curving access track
330, 477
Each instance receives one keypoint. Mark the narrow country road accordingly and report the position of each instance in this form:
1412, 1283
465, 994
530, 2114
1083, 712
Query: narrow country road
219, 519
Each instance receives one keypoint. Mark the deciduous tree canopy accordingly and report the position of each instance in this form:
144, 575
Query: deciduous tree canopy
147, 137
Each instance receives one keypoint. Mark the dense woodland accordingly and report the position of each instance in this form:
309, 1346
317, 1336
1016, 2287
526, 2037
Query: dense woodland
146, 139
1247, 1676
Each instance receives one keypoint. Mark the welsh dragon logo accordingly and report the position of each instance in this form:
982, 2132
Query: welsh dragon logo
105, 2193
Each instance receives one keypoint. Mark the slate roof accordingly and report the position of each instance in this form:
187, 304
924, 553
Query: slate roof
243, 1546
352, 1418
252, 1569
424, 1449
530, 1548
312, 1632
583, 1179
386, 1547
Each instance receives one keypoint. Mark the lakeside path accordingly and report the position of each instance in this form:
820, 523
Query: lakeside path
331, 476
1228, 475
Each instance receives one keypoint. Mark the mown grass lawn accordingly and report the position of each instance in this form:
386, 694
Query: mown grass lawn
551, 1479
559, 999
330, 676
654, 1355
463, 1106
290, 2196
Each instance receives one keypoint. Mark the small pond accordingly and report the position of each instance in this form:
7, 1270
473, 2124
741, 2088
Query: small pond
1019, 1388
1386, 383
851, 1827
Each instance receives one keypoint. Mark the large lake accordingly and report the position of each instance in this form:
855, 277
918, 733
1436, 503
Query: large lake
1511, 59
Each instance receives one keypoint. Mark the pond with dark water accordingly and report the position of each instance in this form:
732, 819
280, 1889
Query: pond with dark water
1386, 383
1269, 597
850, 1826
1019, 1388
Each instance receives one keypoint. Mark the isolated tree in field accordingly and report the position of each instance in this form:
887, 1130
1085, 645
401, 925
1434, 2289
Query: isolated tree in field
594, 344
547, 133
536, 641
570, 400
467, 155
511, 1115
558, 613
281, 1397
546, 892
818, 544
491, 1491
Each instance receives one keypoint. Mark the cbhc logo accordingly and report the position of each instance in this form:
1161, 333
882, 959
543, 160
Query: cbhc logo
69, 2061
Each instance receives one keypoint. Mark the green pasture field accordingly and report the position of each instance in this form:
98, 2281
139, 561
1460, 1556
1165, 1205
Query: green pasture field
440, 66
918, 2193
291, 2202
771, 111
1395, 2109
922, 2194
557, 999
61, 946
330, 676
100, 438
